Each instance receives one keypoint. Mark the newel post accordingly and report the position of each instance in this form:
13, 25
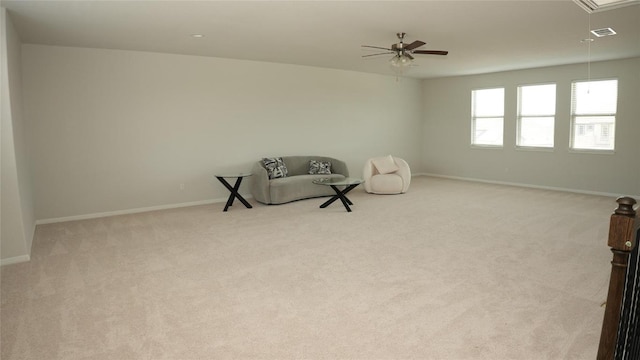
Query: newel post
621, 243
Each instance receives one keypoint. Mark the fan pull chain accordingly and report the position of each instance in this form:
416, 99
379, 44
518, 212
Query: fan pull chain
588, 40
589, 54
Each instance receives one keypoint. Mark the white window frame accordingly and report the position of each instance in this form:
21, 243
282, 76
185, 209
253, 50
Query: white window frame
520, 117
474, 118
590, 128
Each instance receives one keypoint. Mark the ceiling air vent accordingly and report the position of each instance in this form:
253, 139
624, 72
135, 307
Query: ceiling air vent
603, 32
602, 5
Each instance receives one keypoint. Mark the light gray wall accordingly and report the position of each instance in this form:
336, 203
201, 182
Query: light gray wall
447, 132
116, 130
17, 220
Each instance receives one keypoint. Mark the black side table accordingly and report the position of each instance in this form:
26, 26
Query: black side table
234, 190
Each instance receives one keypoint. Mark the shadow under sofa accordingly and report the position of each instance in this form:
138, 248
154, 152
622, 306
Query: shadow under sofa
298, 184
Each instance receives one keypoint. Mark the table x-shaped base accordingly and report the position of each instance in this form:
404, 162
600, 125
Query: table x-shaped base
340, 194
234, 192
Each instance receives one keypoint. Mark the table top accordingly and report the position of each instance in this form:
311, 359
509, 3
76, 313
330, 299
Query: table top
233, 175
338, 182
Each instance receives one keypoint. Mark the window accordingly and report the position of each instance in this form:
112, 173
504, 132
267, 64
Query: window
487, 117
593, 114
536, 115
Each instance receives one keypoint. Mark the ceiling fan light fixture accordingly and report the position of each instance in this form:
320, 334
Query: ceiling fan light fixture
403, 53
400, 60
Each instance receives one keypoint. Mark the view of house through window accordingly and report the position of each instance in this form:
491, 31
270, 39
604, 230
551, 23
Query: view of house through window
487, 117
593, 114
536, 115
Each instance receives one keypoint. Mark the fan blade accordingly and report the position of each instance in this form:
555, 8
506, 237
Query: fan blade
375, 47
430, 52
385, 53
415, 44
408, 55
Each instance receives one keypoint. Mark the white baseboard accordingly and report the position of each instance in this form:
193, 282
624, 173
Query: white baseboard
133, 211
577, 191
15, 260
248, 196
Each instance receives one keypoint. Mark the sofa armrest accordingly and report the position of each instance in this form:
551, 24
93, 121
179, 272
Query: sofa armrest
260, 183
339, 167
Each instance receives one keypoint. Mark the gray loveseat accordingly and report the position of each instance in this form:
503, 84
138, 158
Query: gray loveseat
298, 184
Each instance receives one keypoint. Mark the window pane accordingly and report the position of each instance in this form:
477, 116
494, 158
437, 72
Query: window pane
595, 97
536, 131
488, 131
537, 100
536, 115
487, 112
488, 102
594, 132
593, 110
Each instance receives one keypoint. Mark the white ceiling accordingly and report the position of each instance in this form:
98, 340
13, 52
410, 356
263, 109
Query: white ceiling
481, 36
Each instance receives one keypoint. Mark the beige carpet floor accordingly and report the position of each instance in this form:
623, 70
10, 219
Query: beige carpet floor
450, 270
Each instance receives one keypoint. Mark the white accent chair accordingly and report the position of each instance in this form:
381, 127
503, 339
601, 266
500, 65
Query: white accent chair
386, 175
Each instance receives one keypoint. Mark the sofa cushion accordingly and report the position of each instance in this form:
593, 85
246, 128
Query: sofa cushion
298, 187
319, 167
275, 167
385, 164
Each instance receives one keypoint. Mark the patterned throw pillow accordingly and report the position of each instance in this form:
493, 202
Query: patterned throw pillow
319, 167
275, 167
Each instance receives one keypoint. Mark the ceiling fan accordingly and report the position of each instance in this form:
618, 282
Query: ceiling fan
403, 53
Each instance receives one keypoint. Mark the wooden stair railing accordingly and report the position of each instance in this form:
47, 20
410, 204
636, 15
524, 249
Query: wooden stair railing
622, 240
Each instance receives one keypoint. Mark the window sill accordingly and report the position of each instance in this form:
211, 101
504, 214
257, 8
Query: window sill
535, 148
489, 147
592, 151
